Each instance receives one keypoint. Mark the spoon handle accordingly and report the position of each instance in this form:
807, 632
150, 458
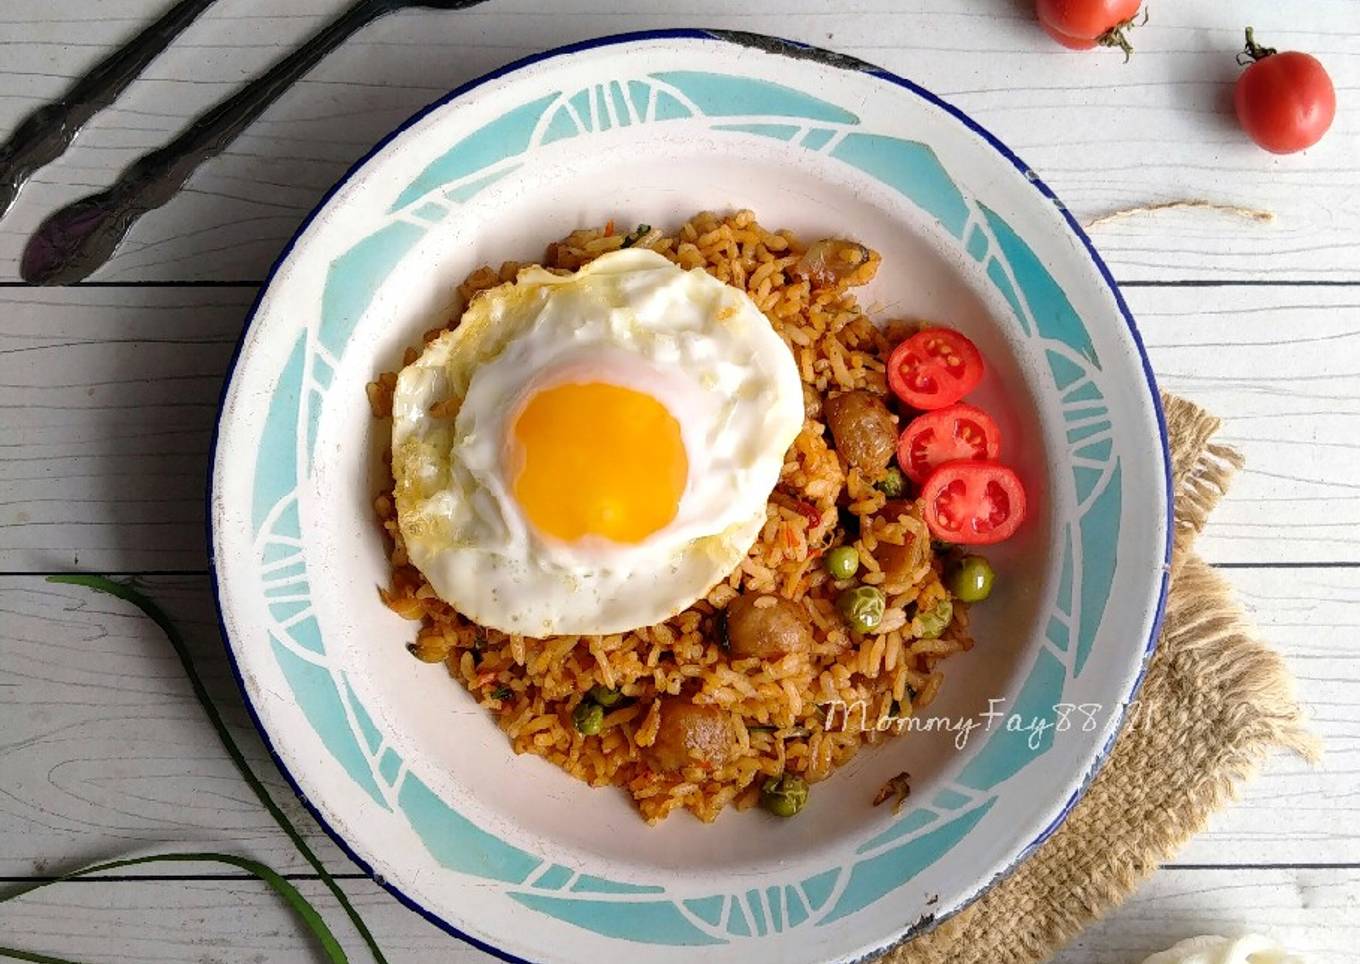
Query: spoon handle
76, 240
49, 130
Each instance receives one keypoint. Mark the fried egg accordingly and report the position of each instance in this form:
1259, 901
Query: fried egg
589, 453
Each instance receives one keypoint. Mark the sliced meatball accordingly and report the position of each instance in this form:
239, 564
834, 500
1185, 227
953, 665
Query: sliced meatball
898, 562
833, 261
863, 429
691, 735
896, 507
766, 626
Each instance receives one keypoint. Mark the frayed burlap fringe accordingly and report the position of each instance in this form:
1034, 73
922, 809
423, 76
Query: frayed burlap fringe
1215, 703
1200, 470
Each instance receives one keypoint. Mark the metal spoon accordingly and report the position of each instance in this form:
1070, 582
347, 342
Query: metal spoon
49, 130
73, 243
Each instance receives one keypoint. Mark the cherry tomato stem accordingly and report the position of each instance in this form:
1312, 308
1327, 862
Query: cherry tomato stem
1253, 51
1083, 24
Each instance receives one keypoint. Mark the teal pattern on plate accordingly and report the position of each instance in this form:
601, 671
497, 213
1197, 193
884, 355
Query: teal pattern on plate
739, 106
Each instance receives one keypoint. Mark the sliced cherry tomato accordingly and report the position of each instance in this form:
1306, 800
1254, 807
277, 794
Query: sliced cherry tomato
959, 431
1285, 101
973, 503
1083, 24
934, 368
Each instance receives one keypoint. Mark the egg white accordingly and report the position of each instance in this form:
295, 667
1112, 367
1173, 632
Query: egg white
629, 318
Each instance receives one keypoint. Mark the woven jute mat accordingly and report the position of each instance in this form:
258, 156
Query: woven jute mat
1214, 704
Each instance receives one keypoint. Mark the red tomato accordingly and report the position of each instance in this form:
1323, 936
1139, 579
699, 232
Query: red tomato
1082, 24
973, 503
934, 368
961, 431
1072, 43
1285, 102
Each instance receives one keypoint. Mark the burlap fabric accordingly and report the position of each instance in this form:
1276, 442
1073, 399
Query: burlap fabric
1215, 703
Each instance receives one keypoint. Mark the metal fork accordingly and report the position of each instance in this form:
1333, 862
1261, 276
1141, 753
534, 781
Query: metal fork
49, 130
75, 241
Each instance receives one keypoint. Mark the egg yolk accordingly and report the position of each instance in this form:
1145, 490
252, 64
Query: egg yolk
596, 459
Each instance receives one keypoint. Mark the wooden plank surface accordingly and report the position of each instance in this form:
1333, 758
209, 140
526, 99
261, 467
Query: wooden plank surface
106, 749
110, 395
107, 397
1281, 367
1315, 911
1104, 134
235, 921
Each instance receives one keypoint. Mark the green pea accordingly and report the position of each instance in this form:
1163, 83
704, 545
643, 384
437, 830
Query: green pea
862, 608
785, 795
604, 696
935, 620
842, 562
972, 579
893, 483
588, 717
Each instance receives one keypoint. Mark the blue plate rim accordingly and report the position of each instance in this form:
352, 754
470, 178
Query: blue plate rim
770, 44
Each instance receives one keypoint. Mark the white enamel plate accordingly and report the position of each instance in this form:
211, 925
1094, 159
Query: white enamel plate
394, 757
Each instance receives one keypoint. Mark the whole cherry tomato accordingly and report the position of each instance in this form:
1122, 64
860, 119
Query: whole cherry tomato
1285, 101
1083, 24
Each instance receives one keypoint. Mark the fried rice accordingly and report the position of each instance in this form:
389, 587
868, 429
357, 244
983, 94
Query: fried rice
778, 708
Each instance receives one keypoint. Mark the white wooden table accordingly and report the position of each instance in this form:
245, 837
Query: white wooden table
108, 392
